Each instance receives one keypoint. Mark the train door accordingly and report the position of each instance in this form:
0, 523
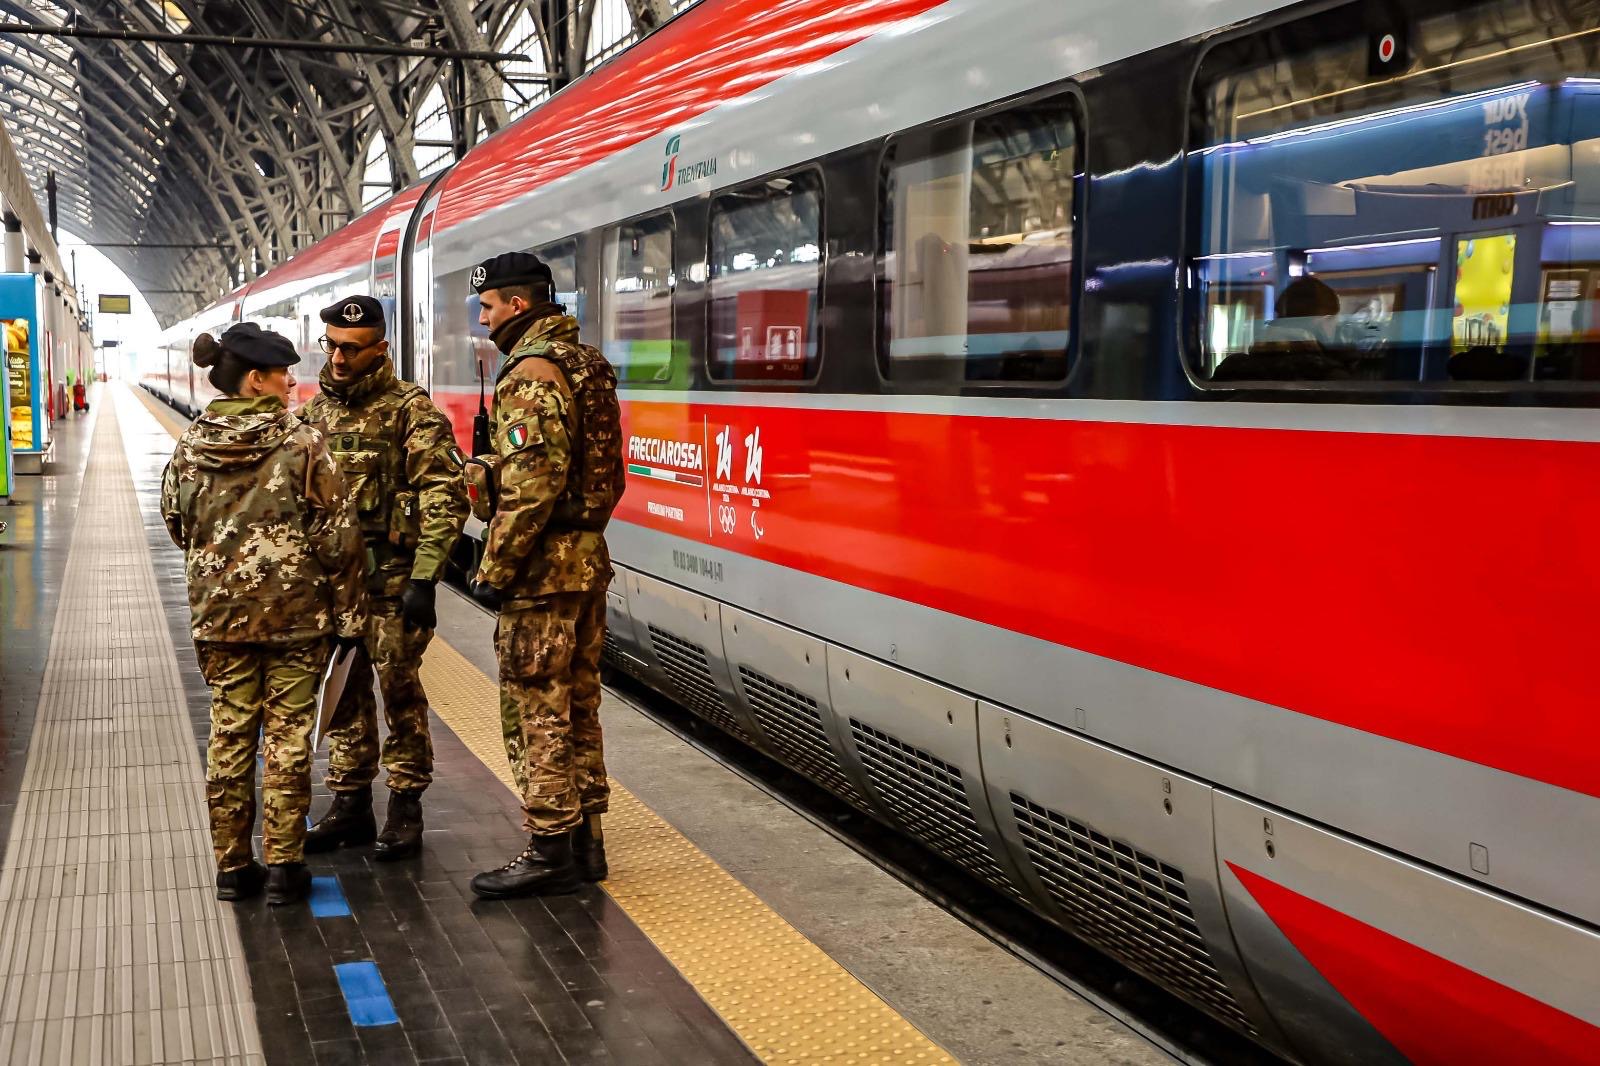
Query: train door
416, 289
385, 285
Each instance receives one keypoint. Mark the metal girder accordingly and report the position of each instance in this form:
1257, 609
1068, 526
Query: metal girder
648, 15
246, 150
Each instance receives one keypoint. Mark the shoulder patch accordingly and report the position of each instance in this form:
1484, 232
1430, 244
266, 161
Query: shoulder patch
517, 435
456, 456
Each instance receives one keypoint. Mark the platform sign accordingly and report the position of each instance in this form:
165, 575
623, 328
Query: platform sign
116, 305
20, 320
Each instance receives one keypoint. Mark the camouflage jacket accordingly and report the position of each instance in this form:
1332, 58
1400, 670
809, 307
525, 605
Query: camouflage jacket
399, 455
271, 549
526, 554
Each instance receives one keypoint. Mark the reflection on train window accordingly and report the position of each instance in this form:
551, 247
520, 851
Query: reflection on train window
1414, 201
562, 259
765, 271
636, 311
976, 255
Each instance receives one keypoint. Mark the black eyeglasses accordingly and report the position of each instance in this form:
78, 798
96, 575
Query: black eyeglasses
347, 348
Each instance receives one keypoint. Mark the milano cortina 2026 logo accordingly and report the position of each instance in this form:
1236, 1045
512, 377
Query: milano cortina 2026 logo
673, 175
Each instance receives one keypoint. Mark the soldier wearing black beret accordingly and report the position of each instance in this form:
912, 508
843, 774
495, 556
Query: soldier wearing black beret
557, 475
398, 451
248, 342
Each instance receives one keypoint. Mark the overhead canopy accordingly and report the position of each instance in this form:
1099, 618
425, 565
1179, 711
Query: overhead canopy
198, 166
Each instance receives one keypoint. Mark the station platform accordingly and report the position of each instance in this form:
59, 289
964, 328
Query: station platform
732, 929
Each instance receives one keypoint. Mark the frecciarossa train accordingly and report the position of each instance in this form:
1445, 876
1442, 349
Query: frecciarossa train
1145, 451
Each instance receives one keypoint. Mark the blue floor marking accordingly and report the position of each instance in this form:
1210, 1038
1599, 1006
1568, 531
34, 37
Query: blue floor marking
364, 994
327, 898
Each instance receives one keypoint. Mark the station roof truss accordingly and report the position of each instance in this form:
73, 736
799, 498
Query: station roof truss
199, 164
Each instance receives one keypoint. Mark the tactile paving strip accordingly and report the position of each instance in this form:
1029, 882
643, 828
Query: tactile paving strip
783, 995
112, 947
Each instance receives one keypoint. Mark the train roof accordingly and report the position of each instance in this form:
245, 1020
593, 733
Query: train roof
711, 54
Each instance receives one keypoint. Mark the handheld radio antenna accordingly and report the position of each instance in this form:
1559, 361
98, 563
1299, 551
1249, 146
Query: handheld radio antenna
481, 445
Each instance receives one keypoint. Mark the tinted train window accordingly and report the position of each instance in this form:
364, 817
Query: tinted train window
976, 255
636, 311
766, 272
1416, 200
562, 259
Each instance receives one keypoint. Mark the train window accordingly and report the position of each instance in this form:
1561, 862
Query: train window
976, 253
1410, 200
636, 311
562, 259
765, 275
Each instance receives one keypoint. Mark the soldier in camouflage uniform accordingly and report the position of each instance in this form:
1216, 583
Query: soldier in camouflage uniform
275, 567
398, 453
557, 476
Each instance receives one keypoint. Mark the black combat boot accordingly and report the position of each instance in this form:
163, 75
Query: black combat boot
287, 882
234, 885
402, 829
589, 849
349, 821
544, 868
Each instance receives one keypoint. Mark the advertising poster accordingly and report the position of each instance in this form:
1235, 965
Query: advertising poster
5, 437
19, 318
19, 380
1483, 291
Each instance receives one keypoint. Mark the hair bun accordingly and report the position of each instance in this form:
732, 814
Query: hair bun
206, 350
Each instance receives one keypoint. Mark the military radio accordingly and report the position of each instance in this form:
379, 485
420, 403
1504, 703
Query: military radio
481, 445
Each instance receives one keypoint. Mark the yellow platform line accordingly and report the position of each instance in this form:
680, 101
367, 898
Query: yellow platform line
170, 420
783, 996
786, 998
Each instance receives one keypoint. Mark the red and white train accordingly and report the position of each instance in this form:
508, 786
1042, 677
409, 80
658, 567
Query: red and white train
1145, 451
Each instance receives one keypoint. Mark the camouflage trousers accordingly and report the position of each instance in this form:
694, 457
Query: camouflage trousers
270, 691
550, 707
353, 735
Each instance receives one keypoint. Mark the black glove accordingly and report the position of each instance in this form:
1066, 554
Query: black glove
487, 595
416, 605
345, 645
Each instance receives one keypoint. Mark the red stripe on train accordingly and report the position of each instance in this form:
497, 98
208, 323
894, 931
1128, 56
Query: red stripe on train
715, 52
1435, 590
1434, 1011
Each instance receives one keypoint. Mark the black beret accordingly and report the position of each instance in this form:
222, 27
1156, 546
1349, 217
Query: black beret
257, 346
355, 312
512, 268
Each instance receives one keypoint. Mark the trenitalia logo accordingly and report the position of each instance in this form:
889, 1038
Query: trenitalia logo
672, 174
669, 168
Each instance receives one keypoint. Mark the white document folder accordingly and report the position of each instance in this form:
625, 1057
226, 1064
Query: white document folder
339, 664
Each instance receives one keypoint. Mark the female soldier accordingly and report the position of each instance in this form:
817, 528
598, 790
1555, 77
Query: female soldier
275, 564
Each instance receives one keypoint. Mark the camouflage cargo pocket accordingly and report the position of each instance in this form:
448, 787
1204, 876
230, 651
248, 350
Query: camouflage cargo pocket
363, 471
535, 644
405, 520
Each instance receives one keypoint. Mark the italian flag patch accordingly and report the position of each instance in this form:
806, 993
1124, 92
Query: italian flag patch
518, 434
457, 457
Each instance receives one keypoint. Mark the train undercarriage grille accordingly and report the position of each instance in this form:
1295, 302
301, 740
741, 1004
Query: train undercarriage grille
1129, 903
927, 796
793, 722
611, 652
689, 673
